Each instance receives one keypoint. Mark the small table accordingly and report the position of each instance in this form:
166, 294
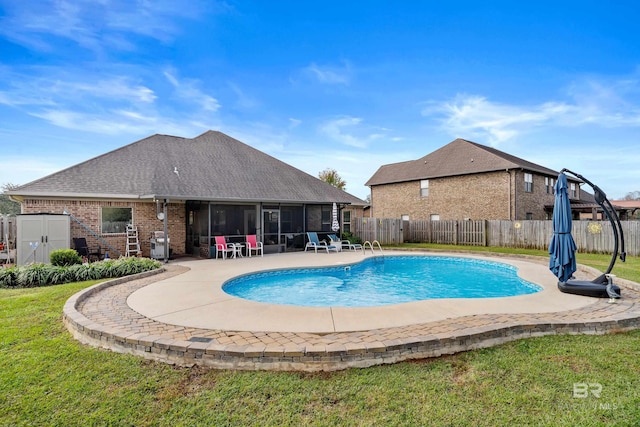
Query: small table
237, 249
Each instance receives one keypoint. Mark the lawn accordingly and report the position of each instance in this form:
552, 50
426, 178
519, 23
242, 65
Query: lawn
47, 378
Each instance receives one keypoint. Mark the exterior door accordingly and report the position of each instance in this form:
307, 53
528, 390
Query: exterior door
271, 230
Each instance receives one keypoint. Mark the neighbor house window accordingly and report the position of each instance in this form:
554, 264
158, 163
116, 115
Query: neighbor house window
434, 217
572, 188
528, 182
528, 215
550, 184
115, 220
424, 187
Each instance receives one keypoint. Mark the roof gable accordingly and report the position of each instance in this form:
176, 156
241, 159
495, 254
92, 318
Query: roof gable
459, 157
212, 166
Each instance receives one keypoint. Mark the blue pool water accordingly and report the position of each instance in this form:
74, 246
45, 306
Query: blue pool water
382, 281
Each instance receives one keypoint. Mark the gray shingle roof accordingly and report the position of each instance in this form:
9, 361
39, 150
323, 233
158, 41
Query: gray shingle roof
459, 157
212, 166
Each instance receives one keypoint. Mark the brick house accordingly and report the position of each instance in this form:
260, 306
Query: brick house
465, 180
195, 187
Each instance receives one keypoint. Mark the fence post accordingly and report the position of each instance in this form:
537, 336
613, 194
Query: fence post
456, 224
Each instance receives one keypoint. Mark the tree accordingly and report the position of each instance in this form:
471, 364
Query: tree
330, 176
634, 195
8, 206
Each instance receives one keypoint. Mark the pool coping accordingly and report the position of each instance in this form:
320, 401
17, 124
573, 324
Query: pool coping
103, 316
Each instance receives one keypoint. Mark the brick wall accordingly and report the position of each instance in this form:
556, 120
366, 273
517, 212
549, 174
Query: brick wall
144, 217
493, 195
533, 202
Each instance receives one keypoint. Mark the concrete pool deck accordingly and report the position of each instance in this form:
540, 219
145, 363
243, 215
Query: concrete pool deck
182, 316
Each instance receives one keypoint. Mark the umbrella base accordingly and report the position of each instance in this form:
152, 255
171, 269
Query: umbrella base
597, 288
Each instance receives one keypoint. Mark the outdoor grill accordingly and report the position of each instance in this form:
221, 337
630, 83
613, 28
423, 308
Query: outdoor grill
157, 244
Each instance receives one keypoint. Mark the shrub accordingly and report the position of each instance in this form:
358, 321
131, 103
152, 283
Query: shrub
65, 257
8, 277
33, 275
350, 237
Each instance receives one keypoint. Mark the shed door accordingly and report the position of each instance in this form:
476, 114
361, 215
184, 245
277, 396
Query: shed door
58, 233
31, 239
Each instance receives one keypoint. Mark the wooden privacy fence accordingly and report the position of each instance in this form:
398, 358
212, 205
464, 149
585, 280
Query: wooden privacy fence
590, 236
8, 230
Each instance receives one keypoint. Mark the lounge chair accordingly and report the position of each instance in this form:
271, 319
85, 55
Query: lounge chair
84, 250
316, 244
224, 248
345, 244
254, 245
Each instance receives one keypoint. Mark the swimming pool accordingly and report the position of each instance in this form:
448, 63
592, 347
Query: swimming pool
382, 281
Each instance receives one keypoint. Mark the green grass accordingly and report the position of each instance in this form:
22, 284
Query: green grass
630, 269
49, 379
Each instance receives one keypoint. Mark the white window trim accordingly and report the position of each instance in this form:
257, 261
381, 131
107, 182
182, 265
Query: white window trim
424, 188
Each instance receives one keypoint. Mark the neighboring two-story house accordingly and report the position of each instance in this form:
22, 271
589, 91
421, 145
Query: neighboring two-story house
465, 180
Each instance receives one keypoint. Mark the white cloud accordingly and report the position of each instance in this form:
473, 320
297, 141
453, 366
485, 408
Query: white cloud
294, 123
243, 101
343, 129
188, 89
51, 86
475, 116
95, 25
332, 75
596, 102
114, 88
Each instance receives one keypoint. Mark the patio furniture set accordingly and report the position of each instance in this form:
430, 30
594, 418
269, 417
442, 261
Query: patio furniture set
335, 244
235, 250
251, 245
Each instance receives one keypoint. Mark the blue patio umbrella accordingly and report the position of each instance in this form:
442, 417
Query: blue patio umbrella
562, 260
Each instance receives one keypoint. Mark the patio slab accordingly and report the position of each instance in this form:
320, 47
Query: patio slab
182, 316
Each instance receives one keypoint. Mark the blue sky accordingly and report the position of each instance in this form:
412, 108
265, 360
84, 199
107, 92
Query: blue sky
326, 84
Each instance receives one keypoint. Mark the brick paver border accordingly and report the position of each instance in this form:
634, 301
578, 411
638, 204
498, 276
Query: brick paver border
99, 316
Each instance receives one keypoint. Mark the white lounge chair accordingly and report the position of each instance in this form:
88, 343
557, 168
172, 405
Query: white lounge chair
316, 244
345, 244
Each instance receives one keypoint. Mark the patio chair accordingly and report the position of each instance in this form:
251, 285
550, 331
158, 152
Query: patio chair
345, 244
224, 248
254, 245
84, 250
316, 244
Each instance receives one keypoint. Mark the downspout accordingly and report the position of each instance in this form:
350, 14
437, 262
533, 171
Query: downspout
166, 231
509, 203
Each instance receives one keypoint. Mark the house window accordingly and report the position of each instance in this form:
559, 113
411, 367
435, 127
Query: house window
405, 217
424, 188
327, 213
115, 220
572, 188
434, 217
528, 215
346, 221
550, 185
528, 183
